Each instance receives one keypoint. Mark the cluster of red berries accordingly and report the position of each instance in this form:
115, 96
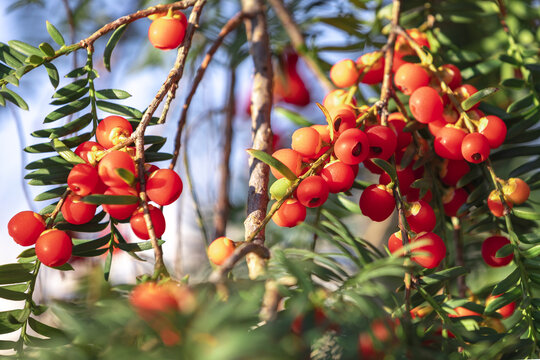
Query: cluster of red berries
167, 31
107, 172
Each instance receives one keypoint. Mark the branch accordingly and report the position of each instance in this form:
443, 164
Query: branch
246, 248
227, 28
222, 204
257, 201
297, 39
138, 135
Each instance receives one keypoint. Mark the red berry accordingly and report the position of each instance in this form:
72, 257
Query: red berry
435, 249
410, 77
336, 98
291, 159
371, 67
343, 118
324, 132
113, 130
505, 311
53, 247
396, 121
306, 141
452, 171
435, 126
344, 73
420, 217
112, 161
426, 105
352, 146
475, 148
220, 250
312, 191
490, 246
382, 141
25, 227
495, 204
338, 176
377, 202
83, 179
464, 92
448, 142
494, 129
453, 199
138, 225
76, 211
166, 32
120, 211
451, 75
290, 214
516, 190
88, 151
395, 243
164, 186
405, 177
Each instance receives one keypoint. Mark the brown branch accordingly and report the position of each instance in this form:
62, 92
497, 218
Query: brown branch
386, 89
179, 5
138, 135
227, 28
261, 98
297, 40
222, 204
246, 248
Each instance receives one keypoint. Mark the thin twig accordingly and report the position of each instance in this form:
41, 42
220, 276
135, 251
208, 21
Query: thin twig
222, 203
297, 40
227, 28
239, 253
261, 106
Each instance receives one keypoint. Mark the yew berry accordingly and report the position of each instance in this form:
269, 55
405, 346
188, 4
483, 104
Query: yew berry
77, 212
396, 121
372, 345
371, 67
448, 142
462, 311
343, 118
377, 202
505, 311
306, 141
435, 249
410, 77
290, 214
451, 75
164, 186
112, 161
490, 246
113, 130
352, 146
138, 225
495, 204
150, 299
344, 73
324, 132
83, 179
420, 217
291, 159
395, 243
516, 190
382, 142
405, 178
338, 176
288, 84
453, 199
426, 105
494, 129
220, 250
475, 148
89, 151
167, 32
312, 191
464, 92
452, 171
336, 98
25, 227
436, 125
120, 211
53, 247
